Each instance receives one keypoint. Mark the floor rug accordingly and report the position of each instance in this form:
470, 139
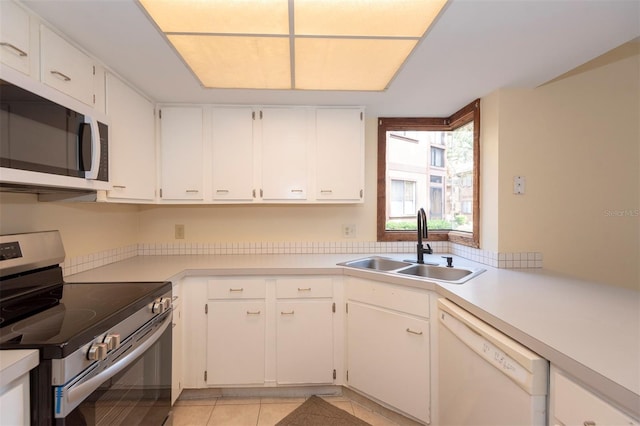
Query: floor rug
316, 411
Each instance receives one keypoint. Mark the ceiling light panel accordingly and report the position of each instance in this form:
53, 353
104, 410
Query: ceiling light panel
348, 64
294, 44
237, 62
220, 16
373, 18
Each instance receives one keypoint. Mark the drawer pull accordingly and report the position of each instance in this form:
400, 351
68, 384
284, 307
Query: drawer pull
119, 186
297, 190
419, 333
236, 289
589, 423
192, 191
61, 75
287, 313
16, 49
222, 191
304, 289
326, 191
253, 312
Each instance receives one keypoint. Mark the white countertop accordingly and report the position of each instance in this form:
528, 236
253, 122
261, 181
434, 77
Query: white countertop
589, 330
14, 364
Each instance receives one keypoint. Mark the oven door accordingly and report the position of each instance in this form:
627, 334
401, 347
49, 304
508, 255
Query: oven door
133, 388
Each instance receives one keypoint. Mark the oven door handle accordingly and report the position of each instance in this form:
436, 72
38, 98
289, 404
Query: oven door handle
79, 392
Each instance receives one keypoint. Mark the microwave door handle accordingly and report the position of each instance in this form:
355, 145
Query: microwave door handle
92, 173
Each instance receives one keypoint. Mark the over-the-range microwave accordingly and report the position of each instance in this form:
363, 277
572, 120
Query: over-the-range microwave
50, 143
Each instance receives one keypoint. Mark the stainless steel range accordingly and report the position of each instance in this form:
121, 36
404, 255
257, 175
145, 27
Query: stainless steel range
105, 348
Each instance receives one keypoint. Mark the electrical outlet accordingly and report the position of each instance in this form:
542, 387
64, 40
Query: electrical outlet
349, 231
179, 231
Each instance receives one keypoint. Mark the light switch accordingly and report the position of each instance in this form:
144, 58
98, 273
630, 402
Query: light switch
518, 185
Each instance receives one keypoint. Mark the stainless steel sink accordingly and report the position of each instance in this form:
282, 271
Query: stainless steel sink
441, 273
378, 264
453, 275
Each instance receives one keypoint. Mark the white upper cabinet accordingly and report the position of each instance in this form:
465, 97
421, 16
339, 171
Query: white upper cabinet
339, 154
66, 68
232, 146
285, 153
14, 37
132, 143
181, 153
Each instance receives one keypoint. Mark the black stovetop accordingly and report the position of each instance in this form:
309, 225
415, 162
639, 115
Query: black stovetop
83, 311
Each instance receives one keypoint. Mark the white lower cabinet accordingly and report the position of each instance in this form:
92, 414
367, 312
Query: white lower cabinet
571, 404
388, 345
236, 321
304, 331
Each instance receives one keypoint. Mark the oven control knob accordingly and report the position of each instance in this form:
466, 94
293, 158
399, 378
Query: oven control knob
160, 305
97, 352
166, 303
112, 340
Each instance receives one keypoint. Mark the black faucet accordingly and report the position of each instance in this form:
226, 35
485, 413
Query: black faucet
423, 232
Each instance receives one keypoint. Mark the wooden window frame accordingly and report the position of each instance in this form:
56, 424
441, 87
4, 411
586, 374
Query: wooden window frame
468, 113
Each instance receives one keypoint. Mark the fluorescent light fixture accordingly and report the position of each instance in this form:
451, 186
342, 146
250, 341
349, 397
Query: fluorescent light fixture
294, 44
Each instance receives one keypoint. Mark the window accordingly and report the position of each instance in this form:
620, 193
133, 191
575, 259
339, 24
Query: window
439, 172
437, 156
403, 198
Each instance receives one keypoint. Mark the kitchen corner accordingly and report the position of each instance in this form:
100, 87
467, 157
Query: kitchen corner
545, 311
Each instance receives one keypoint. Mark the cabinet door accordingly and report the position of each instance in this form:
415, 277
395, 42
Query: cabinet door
304, 347
388, 358
236, 342
176, 343
14, 37
132, 143
232, 149
285, 151
340, 154
65, 68
181, 151
571, 404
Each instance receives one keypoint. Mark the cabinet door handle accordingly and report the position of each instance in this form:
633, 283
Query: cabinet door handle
15, 49
589, 423
419, 333
236, 289
253, 312
287, 313
119, 186
61, 75
304, 289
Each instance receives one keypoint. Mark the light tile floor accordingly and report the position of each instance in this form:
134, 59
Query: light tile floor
228, 411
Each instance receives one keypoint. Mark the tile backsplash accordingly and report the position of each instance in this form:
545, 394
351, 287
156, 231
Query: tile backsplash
79, 264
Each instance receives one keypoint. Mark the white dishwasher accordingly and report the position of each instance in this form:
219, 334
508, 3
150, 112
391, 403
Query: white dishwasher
486, 378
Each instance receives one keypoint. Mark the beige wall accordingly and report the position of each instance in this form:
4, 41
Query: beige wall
576, 141
85, 227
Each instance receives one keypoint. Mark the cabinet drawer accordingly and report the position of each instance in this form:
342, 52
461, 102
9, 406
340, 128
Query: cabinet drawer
289, 288
236, 288
402, 299
576, 405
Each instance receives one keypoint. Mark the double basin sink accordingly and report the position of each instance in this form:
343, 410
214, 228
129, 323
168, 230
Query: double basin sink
450, 275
